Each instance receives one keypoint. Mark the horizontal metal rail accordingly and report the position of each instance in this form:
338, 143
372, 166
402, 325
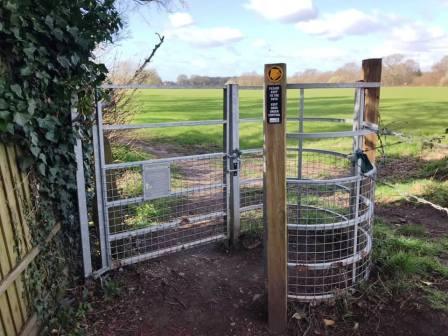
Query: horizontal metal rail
339, 263
319, 119
159, 253
312, 297
315, 297
309, 119
252, 180
252, 151
331, 226
163, 226
164, 160
121, 127
348, 179
249, 120
355, 85
147, 86
316, 150
251, 207
163, 125
322, 135
134, 200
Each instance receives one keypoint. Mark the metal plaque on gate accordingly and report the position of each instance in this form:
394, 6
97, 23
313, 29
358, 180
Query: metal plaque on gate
156, 180
274, 104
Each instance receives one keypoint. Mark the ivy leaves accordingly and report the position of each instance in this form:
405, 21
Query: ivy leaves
46, 57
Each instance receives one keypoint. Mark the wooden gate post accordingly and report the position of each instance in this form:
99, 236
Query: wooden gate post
371, 69
275, 193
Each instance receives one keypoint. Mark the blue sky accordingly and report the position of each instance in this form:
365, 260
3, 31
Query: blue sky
226, 38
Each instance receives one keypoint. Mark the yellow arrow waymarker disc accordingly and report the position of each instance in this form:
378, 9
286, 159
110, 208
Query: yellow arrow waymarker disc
275, 74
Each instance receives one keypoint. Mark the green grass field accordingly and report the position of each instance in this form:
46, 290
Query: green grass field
421, 111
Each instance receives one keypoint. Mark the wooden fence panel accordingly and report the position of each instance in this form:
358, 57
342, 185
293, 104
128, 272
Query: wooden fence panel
16, 251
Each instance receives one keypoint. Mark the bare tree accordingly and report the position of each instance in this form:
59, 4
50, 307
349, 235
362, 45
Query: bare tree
397, 70
349, 72
119, 108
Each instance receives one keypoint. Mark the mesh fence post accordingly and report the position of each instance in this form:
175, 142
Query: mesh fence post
233, 154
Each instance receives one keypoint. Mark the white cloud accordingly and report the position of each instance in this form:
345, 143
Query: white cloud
284, 10
259, 43
417, 37
313, 53
347, 22
180, 19
206, 37
424, 43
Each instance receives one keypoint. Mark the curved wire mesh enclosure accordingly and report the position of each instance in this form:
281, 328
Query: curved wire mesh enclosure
330, 202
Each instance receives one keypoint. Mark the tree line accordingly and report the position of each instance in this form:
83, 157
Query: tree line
398, 70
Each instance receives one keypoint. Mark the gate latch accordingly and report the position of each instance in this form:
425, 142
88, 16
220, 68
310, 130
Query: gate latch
235, 162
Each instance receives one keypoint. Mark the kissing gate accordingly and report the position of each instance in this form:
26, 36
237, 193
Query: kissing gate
315, 204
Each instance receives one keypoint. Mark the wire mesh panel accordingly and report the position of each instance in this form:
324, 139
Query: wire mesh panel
251, 191
185, 204
330, 201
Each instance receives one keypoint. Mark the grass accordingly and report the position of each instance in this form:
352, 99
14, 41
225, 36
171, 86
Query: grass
415, 111
406, 260
436, 169
125, 153
151, 213
412, 230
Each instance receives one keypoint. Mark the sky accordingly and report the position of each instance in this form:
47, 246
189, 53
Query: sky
231, 37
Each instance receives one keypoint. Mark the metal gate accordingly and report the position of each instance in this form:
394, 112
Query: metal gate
155, 207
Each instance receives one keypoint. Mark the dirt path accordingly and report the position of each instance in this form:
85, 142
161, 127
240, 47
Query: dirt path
405, 213
210, 291
206, 291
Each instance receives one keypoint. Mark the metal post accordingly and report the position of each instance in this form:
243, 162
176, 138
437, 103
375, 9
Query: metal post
300, 143
359, 108
99, 197
103, 185
81, 191
300, 155
233, 115
226, 165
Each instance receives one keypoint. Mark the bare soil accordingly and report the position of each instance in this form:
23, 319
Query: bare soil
215, 291
407, 213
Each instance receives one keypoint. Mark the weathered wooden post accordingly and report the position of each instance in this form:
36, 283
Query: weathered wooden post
371, 69
275, 193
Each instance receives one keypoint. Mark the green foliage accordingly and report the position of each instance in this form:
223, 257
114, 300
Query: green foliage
125, 153
148, 214
437, 193
46, 55
437, 169
410, 110
438, 299
403, 262
111, 288
415, 230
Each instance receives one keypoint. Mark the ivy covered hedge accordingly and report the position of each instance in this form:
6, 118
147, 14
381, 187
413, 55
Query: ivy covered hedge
45, 57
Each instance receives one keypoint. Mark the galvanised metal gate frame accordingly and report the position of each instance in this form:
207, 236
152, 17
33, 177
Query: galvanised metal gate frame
239, 174
229, 186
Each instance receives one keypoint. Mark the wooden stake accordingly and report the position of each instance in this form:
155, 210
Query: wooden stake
371, 69
275, 194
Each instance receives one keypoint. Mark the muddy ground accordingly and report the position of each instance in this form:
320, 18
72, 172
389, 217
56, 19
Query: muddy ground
214, 291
